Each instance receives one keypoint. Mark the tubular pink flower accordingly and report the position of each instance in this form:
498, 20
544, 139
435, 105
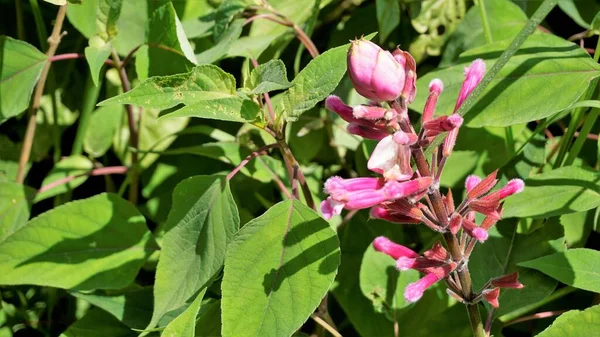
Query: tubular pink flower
391, 160
383, 213
372, 112
366, 131
396, 251
507, 281
338, 187
404, 138
491, 296
471, 182
331, 207
335, 104
473, 76
435, 88
414, 291
374, 72
514, 186
442, 124
396, 190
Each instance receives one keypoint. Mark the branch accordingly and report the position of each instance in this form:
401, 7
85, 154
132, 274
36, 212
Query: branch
95, 172
53, 42
259, 152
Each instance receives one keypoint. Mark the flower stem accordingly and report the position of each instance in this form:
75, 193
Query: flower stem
487, 32
53, 42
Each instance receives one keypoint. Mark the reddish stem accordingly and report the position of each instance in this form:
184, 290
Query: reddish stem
261, 151
538, 315
95, 172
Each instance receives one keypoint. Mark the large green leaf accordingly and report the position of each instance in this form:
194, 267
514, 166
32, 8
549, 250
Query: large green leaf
99, 242
505, 20
575, 323
20, 68
15, 207
382, 283
579, 268
168, 51
202, 221
269, 76
224, 45
544, 65
184, 325
564, 190
77, 166
388, 17
278, 268
105, 122
207, 91
501, 253
97, 323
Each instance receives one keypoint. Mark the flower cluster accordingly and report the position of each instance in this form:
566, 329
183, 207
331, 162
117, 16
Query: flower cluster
401, 195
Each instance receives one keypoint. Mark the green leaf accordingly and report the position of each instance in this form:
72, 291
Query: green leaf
577, 227
501, 254
98, 323
185, 324
20, 68
575, 323
71, 166
388, 17
207, 91
201, 223
582, 12
96, 54
107, 17
96, 243
208, 323
382, 283
98, 140
519, 93
168, 51
268, 77
225, 13
564, 190
505, 20
278, 268
579, 268
224, 45
57, 2
15, 207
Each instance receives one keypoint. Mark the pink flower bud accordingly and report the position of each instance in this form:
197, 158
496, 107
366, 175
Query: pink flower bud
448, 200
449, 142
366, 131
391, 159
437, 252
396, 190
336, 105
455, 223
383, 213
471, 182
473, 76
474, 231
404, 138
386, 246
373, 112
374, 72
435, 88
338, 187
514, 186
491, 296
418, 263
507, 281
414, 291
442, 124
483, 186
406, 208
410, 68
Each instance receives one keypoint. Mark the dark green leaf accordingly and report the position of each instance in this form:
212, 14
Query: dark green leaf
225, 13
96, 243
388, 17
98, 323
105, 122
20, 68
579, 268
222, 47
201, 223
564, 190
208, 323
278, 268
268, 77
575, 323
15, 206
544, 65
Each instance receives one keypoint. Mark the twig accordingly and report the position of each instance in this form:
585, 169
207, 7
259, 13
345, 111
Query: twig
261, 151
130, 55
539, 315
95, 172
325, 325
133, 130
277, 180
73, 56
53, 42
291, 161
295, 192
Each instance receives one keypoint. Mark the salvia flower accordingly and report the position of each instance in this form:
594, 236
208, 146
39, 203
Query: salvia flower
491, 296
392, 249
391, 159
510, 281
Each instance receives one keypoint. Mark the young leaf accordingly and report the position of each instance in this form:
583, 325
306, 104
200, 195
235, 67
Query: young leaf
268, 77
20, 68
96, 243
222, 47
225, 13
70, 166
565, 190
108, 15
278, 268
575, 323
185, 324
96, 54
201, 223
98, 140
388, 17
579, 268
15, 206
544, 65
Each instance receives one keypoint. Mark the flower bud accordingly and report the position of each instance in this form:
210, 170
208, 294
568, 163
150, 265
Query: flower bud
473, 76
514, 186
404, 138
474, 231
471, 182
442, 124
374, 72
455, 223
435, 88
366, 131
410, 68
414, 291
491, 296
482, 187
437, 252
383, 213
373, 112
386, 246
507, 281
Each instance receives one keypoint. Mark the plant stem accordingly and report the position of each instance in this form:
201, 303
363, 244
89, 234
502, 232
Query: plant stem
487, 32
263, 150
40, 26
53, 42
19, 15
538, 315
511, 316
133, 130
95, 172
89, 103
288, 156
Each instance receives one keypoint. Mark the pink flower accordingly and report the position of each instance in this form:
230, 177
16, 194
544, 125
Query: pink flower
410, 68
373, 112
338, 187
507, 281
474, 231
414, 291
471, 182
396, 251
473, 76
374, 72
435, 88
491, 296
391, 159
396, 190
514, 186
442, 124
383, 213
367, 131
336, 105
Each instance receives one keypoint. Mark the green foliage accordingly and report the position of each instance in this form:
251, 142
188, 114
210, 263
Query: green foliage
77, 166
15, 207
268, 77
575, 323
388, 17
277, 270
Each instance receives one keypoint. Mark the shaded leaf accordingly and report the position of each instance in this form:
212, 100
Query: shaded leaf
579, 268
268, 266
388, 17
97, 323
96, 243
70, 166
268, 77
96, 54
15, 207
575, 323
99, 138
184, 325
